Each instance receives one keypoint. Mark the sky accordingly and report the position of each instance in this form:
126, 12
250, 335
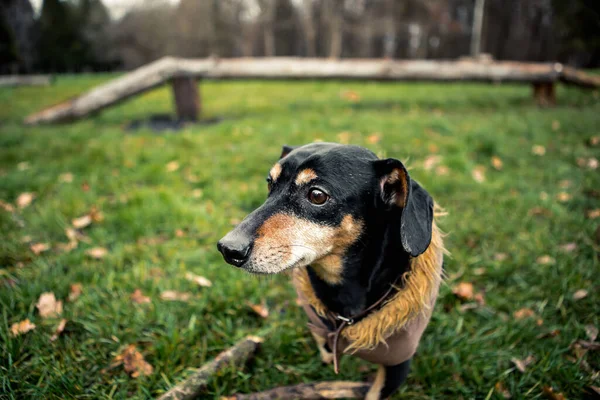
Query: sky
116, 8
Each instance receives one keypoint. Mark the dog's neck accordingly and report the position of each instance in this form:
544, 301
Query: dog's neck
368, 271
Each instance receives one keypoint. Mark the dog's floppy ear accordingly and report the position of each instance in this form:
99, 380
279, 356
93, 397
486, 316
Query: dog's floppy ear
400, 192
285, 150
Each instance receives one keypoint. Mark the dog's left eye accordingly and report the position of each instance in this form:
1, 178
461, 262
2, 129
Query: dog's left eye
269, 183
317, 196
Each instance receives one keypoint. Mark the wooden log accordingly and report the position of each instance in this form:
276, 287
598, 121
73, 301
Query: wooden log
187, 98
154, 74
544, 94
25, 80
193, 386
310, 391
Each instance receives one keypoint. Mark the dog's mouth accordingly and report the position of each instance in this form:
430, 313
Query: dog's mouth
272, 269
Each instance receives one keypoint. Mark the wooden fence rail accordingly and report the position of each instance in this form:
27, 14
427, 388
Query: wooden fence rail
183, 72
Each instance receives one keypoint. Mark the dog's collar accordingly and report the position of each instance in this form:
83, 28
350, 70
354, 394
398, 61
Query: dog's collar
347, 321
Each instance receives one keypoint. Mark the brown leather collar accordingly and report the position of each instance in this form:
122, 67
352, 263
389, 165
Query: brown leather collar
346, 321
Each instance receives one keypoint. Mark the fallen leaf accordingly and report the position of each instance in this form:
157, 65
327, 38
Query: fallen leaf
500, 256
344, 137
138, 297
540, 211
497, 163
568, 247
551, 334
374, 138
172, 166
431, 161
48, 306
350, 95
97, 252
172, 295
59, 329
23, 165
67, 177
563, 197
592, 163
197, 193
199, 280
76, 290
479, 298
179, 233
260, 309
594, 141
25, 199
523, 313
538, 150
39, 248
543, 196
580, 294
545, 260
564, 184
96, 215
501, 390
442, 170
591, 331
587, 345
85, 187
539, 322
522, 364
464, 291
433, 148
478, 174
19, 328
6, 206
479, 271
81, 222
133, 362
593, 214
551, 395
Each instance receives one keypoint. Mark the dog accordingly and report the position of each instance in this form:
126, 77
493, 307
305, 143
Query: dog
365, 254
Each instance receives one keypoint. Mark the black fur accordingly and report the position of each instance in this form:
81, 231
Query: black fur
394, 377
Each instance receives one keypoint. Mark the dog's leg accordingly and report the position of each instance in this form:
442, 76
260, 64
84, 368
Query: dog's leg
326, 356
388, 380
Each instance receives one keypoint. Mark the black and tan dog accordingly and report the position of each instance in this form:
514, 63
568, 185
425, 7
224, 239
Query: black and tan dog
360, 239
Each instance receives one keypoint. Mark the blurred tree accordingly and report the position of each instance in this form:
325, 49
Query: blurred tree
578, 29
94, 27
18, 35
9, 56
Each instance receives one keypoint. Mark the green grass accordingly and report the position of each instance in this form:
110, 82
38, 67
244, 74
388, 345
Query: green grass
464, 353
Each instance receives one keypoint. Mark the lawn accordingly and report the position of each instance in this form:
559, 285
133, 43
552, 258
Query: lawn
519, 183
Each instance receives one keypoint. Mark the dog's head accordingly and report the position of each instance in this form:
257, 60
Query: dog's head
323, 198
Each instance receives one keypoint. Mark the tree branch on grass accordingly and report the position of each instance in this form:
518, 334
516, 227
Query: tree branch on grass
310, 391
192, 386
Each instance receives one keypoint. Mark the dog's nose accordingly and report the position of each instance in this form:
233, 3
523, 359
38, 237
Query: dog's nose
235, 249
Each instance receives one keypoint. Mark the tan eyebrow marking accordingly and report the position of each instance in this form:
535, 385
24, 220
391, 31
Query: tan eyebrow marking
305, 176
275, 172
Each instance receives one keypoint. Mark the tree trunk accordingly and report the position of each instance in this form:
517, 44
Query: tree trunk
477, 24
336, 29
187, 98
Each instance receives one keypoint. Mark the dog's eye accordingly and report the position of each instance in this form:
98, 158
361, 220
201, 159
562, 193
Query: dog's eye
317, 196
269, 183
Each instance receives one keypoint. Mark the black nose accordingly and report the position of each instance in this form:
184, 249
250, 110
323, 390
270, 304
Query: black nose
235, 249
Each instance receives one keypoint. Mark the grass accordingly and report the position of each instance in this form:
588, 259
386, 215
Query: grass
465, 351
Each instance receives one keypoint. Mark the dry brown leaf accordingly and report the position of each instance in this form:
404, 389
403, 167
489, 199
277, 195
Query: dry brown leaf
568, 247
82, 222
76, 290
523, 313
179, 233
479, 298
19, 328
594, 141
350, 95
48, 306
172, 166
442, 170
551, 394
96, 215
500, 256
539, 322
431, 162
538, 150
138, 297
133, 362
344, 137
593, 214
501, 390
260, 309
580, 294
565, 184
59, 329
25, 199
555, 125
97, 252
172, 295
478, 174
522, 364
591, 331
550, 334
545, 260
592, 163
23, 165
39, 248
497, 163
433, 148
463, 291
374, 138
199, 280
563, 197
7, 206
67, 177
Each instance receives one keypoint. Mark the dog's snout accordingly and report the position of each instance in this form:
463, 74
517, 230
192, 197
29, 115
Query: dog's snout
235, 248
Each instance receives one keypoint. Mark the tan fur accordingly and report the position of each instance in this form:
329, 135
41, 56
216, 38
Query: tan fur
414, 297
275, 172
375, 389
305, 176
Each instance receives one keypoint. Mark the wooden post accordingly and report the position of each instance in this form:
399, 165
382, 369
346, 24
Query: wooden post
187, 98
544, 94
